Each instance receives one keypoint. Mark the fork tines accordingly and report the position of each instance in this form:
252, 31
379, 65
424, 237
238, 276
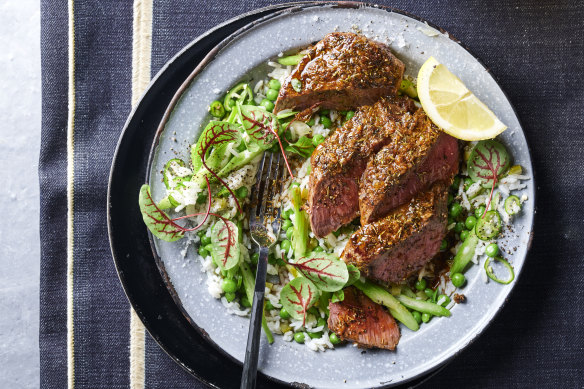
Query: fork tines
266, 189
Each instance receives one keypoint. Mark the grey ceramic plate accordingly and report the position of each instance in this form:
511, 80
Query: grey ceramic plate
244, 56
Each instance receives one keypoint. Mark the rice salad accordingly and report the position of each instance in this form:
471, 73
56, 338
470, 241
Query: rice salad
188, 201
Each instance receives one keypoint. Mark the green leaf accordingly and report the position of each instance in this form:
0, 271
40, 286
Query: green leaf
488, 161
354, 274
224, 247
260, 125
302, 147
298, 296
212, 144
326, 271
158, 222
338, 296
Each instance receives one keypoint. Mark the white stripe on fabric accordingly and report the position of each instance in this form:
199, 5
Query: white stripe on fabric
141, 57
70, 193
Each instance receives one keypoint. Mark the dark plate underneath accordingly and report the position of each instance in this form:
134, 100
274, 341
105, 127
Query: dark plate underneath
137, 269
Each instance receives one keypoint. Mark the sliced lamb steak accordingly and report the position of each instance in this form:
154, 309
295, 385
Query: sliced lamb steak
358, 319
394, 247
342, 71
413, 160
339, 162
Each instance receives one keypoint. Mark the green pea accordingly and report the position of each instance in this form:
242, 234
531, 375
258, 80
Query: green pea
272, 94
470, 222
205, 240
274, 84
200, 234
242, 192
325, 111
287, 224
272, 260
443, 245
229, 286
255, 257
464, 234
426, 317
216, 109
285, 245
209, 247
284, 313
350, 114
326, 122
455, 183
311, 122
468, 182
459, 227
421, 284
318, 249
269, 305
203, 252
299, 337
317, 139
492, 250
287, 213
267, 104
245, 302
429, 292
417, 316
320, 322
458, 279
455, 210
315, 335
230, 296
289, 233
480, 211
334, 338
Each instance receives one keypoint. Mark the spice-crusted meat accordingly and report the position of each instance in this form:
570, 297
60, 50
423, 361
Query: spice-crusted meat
401, 243
342, 71
339, 162
360, 320
411, 162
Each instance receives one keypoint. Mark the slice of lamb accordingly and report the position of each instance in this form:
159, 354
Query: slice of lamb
360, 320
342, 71
401, 243
338, 162
415, 159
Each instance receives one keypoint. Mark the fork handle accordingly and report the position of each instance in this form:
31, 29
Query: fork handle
248, 378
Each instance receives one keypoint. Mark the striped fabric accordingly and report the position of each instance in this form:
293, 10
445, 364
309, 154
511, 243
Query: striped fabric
97, 58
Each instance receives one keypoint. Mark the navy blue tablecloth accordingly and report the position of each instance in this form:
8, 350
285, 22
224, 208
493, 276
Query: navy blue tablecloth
534, 48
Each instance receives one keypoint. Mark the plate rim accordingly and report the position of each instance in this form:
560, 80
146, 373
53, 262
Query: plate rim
281, 9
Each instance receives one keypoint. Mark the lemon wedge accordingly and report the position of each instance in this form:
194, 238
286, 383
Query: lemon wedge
452, 107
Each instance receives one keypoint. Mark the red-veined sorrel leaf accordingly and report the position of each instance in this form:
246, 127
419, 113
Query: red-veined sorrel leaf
157, 221
261, 126
213, 136
303, 147
298, 296
326, 271
216, 136
354, 274
224, 247
488, 160
263, 129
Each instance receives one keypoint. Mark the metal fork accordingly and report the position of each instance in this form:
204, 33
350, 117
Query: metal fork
264, 224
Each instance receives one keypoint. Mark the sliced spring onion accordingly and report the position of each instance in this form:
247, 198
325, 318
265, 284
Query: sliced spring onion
291, 60
492, 275
408, 88
465, 253
423, 306
488, 226
512, 205
169, 173
296, 84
